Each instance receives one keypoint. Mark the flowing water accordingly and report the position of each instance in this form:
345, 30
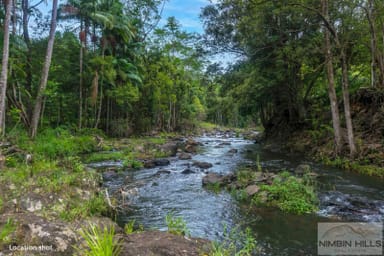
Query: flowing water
152, 193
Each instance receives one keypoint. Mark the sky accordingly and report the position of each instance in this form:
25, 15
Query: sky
186, 12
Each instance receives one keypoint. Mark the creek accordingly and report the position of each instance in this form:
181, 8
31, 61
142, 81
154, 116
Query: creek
154, 192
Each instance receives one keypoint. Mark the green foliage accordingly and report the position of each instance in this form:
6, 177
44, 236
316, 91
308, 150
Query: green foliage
75, 209
1, 203
355, 166
215, 187
100, 242
235, 243
53, 143
290, 194
176, 225
11, 161
6, 230
245, 175
132, 163
104, 156
129, 227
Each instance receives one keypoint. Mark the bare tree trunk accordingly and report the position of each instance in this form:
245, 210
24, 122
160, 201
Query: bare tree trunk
377, 56
4, 65
45, 72
81, 86
28, 69
331, 84
347, 108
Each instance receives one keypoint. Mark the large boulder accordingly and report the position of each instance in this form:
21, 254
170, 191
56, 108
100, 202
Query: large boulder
170, 148
162, 244
57, 237
191, 146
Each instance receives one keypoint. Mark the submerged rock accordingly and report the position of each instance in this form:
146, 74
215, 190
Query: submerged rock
233, 151
110, 175
163, 172
162, 162
188, 171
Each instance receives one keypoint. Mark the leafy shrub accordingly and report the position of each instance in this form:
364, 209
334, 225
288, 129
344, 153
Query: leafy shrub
290, 194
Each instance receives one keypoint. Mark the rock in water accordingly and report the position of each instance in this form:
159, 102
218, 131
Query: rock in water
185, 156
202, 165
161, 162
302, 169
188, 171
233, 151
212, 178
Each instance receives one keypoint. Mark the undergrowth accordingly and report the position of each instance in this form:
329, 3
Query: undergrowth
100, 242
290, 194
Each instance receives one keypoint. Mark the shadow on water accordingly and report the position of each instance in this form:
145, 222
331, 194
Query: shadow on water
158, 191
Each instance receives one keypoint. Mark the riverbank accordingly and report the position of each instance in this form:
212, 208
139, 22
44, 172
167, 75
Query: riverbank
49, 197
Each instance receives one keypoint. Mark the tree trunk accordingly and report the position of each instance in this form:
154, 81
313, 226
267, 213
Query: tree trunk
377, 56
28, 68
347, 108
4, 65
45, 72
331, 84
81, 58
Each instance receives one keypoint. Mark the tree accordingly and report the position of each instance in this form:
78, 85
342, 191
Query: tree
4, 65
331, 83
45, 72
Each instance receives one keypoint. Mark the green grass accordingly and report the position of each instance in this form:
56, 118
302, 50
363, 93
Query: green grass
214, 187
176, 225
53, 143
7, 229
104, 156
235, 243
290, 194
129, 227
354, 166
100, 242
77, 209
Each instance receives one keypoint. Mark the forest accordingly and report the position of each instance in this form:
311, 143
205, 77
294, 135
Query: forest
108, 80
312, 65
